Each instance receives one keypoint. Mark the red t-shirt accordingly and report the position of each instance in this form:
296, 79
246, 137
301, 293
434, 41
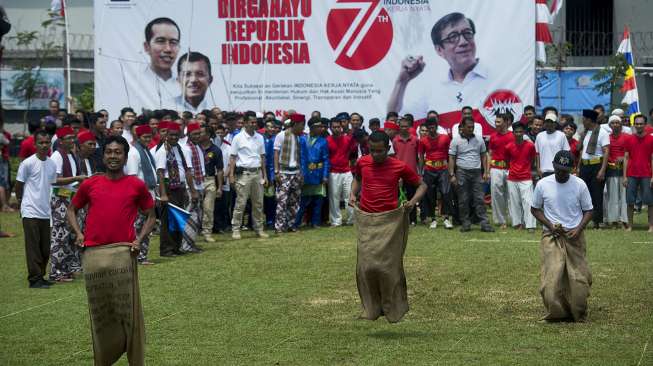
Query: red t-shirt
573, 148
648, 129
380, 182
434, 149
27, 148
520, 158
617, 146
5, 149
406, 150
639, 156
339, 150
112, 208
498, 143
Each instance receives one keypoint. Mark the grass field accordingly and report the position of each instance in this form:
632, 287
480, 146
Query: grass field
292, 300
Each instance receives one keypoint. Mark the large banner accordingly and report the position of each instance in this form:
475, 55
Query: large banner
570, 91
48, 85
368, 56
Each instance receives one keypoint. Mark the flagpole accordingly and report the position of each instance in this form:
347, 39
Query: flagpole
67, 48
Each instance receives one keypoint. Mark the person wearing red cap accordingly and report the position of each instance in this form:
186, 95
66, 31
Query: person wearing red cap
288, 174
87, 146
140, 163
64, 255
175, 176
194, 224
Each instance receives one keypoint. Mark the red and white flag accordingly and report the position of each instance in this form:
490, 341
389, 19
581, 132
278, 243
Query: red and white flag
556, 6
57, 8
542, 34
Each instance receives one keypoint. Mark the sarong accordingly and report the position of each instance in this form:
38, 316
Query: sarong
114, 304
380, 274
193, 226
565, 277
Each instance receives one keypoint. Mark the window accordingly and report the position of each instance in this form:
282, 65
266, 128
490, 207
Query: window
589, 27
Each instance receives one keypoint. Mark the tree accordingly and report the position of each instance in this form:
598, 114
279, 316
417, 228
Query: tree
611, 77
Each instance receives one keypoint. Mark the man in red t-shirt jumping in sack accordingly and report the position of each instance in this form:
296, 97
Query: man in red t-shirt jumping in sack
382, 224
109, 255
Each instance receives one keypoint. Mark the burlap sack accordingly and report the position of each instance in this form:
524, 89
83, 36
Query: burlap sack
380, 274
114, 302
565, 278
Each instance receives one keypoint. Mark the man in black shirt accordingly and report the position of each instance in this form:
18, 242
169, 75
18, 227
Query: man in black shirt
213, 165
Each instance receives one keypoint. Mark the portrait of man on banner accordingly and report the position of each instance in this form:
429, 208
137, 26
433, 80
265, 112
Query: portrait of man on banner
158, 79
194, 78
466, 80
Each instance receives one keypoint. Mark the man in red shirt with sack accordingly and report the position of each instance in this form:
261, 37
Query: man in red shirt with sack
382, 224
109, 255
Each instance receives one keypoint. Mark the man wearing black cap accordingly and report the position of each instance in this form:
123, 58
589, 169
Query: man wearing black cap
315, 168
562, 203
594, 162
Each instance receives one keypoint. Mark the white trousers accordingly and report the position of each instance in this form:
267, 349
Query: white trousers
614, 200
521, 198
339, 189
499, 193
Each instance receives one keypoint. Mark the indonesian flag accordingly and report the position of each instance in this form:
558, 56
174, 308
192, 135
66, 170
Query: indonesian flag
630, 84
556, 6
57, 7
542, 34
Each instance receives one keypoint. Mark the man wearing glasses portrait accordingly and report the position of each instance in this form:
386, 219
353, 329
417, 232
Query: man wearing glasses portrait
453, 38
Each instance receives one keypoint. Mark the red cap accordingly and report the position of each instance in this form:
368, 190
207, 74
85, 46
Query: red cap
389, 125
192, 127
297, 117
65, 131
142, 130
173, 126
163, 125
85, 136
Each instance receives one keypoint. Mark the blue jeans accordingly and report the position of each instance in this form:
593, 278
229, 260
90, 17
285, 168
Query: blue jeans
316, 213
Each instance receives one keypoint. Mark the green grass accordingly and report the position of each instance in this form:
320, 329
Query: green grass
292, 300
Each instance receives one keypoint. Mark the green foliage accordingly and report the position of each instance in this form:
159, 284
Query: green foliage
87, 98
612, 76
292, 300
557, 54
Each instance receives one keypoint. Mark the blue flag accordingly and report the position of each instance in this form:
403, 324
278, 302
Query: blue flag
177, 218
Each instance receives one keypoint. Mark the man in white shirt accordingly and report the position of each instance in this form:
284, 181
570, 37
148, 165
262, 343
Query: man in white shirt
34, 179
127, 117
65, 256
288, 174
140, 162
174, 175
547, 144
594, 162
194, 77
563, 205
466, 83
247, 175
157, 82
196, 162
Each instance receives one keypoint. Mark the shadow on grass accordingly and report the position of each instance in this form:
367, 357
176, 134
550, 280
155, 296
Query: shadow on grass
387, 334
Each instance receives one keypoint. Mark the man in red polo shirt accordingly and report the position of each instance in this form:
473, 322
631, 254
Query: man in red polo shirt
109, 256
382, 229
340, 147
405, 146
433, 155
637, 170
520, 155
499, 167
